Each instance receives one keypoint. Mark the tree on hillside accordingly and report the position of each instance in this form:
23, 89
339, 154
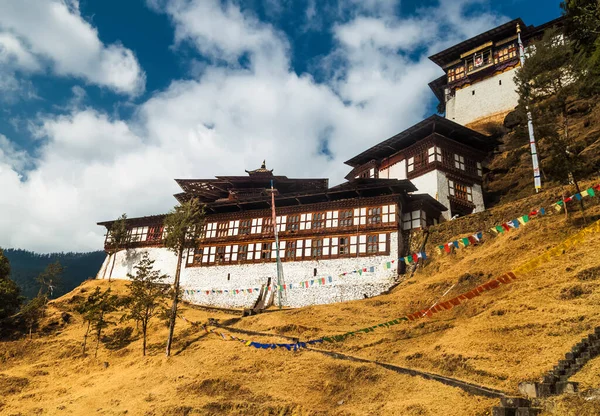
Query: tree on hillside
582, 27
33, 311
50, 279
147, 295
183, 226
89, 312
546, 83
10, 294
118, 238
104, 304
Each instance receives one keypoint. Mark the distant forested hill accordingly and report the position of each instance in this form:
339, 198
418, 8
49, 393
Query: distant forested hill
26, 265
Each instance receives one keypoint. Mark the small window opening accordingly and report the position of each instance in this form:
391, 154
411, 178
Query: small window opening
499, 82
228, 276
315, 272
473, 92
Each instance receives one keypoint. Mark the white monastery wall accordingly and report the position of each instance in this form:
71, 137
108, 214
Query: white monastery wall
443, 192
478, 198
427, 183
484, 98
396, 171
243, 276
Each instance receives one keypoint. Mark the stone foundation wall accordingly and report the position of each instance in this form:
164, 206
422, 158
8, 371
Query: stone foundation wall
244, 276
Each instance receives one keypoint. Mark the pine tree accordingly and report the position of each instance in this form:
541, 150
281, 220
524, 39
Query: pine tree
50, 279
33, 311
183, 226
10, 294
147, 295
105, 303
546, 83
89, 312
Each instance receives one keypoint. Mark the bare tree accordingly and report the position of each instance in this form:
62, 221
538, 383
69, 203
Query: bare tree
183, 226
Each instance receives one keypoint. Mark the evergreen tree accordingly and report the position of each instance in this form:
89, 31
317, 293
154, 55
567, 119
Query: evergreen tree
546, 83
50, 279
10, 294
582, 27
89, 312
33, 311
183, 226
102, 304
147, 294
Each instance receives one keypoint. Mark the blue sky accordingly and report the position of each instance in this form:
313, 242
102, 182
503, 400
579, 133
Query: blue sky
104, 102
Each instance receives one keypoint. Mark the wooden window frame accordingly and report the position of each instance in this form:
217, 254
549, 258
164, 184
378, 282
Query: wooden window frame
460, 191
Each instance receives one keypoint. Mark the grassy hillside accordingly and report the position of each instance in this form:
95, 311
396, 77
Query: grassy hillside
514, 333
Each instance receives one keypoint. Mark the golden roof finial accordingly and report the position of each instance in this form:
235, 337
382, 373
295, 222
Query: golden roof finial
264, 165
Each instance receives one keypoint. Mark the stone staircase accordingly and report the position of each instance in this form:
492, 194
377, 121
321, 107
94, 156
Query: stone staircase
556, 381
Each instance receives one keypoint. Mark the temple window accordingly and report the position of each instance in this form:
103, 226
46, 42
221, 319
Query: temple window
388, 213
190, 256
138, 234
267, 227
459, 162
243, 252
220, 256
155, 233
222, 229
362, 244
211, 230
281, 223
257, 225
332, 219
317, 248
245, 227
305, 221
345, 218
318, 220
233, 229
290, 250
344, 246
374, 215
479, 169
281, 249
360, 216
372, 245
413, 220
460, 191
434, 154
411, 164
293, 223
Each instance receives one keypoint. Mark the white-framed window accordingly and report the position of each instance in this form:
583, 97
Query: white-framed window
360, 216
388, 213
211, 230
411, 164
459, 162
479, 169
332, 219
305, 221
362, 244
281, 223
460, 191
281, 249
234, 228
434, 154
138, 234
413, 220
256, 226
382, 241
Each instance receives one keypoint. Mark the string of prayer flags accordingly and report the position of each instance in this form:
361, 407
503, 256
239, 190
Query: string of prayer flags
465, 241
558, 205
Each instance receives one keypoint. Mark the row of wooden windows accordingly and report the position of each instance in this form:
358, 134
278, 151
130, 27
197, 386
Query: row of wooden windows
481, 59
460, 191
154, 233
436, 154
290, 250
301, 222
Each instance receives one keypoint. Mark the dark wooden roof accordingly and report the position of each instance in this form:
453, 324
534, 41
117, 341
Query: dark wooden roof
138, 221
437, 86
498, 33
432, 124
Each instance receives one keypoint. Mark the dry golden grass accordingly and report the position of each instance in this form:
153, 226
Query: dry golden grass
499, 339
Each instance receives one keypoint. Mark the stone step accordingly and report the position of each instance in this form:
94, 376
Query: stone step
503, 411
514, 402
528, 411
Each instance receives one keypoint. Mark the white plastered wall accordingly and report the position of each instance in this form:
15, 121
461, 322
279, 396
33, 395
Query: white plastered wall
396, 171
343, 288
484, 98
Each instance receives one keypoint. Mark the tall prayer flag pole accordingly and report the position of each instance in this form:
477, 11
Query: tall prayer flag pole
536, 168
279, 266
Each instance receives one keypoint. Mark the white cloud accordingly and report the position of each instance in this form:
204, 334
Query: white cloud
52, 32
93, 167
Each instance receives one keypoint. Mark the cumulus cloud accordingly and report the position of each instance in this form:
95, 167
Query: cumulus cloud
40, 33
244, 106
